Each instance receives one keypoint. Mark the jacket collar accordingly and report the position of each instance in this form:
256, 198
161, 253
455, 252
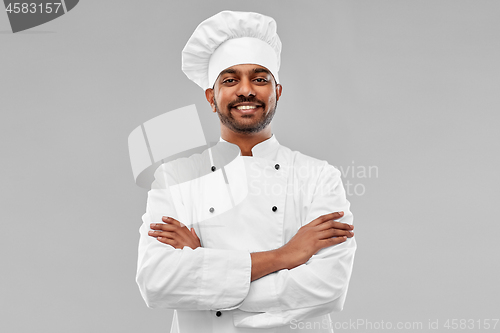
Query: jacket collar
267, 149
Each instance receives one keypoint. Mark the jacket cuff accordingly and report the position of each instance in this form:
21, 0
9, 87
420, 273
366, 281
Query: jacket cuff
262, 295
232, 289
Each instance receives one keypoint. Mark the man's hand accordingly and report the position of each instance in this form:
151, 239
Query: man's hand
312, 237
174, 233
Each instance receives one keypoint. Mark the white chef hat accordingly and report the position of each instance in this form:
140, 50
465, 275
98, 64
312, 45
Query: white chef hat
227, 39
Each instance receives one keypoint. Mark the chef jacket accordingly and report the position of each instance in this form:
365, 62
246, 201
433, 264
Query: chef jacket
251, 204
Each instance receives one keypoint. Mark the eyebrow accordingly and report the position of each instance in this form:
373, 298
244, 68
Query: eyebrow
228, 71
234, 71
261, 70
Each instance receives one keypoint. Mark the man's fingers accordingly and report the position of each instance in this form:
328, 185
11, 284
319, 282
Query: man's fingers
171, 220
332, 241
334, 225
337, 240
326, 217
194, 233
340, 225
168, 241
328, 233
164, 226
163, 234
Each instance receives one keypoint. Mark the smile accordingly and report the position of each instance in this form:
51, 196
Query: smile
246, 107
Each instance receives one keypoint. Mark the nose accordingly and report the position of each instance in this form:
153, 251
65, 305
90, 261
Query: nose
245, 88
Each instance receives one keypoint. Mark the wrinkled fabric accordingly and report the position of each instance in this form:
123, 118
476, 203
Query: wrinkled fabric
231, 38
250, 204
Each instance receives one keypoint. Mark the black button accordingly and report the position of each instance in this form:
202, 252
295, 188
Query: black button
211, 209
218, 313
275, 208
277, 166
213, 168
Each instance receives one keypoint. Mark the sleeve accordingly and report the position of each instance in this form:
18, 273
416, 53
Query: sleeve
200, 279
315, 288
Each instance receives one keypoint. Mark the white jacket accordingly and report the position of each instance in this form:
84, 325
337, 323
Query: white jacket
254, 203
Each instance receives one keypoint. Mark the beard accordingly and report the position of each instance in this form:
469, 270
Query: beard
246, 128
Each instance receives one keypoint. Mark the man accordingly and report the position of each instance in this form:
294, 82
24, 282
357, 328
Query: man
264, 248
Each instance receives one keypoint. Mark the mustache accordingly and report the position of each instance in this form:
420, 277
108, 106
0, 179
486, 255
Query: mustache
243, 99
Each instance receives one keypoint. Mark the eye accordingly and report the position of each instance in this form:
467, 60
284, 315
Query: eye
261, 80
228, 81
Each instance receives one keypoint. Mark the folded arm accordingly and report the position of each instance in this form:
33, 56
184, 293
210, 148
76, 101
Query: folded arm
317, 287
199, 279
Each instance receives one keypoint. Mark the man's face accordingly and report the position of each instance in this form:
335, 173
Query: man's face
245, 98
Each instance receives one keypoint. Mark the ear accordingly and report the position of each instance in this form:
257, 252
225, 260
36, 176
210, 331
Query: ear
279, 88
209, 95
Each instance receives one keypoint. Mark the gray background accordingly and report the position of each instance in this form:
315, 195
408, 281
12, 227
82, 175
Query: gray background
409, 87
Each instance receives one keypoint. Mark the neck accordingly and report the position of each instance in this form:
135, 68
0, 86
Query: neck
246, 141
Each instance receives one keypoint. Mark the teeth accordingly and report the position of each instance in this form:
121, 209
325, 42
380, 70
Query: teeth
246, 107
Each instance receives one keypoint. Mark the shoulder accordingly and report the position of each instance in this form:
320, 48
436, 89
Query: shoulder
314, 166
184, 169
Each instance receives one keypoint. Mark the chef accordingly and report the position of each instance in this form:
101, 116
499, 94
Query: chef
248, 236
